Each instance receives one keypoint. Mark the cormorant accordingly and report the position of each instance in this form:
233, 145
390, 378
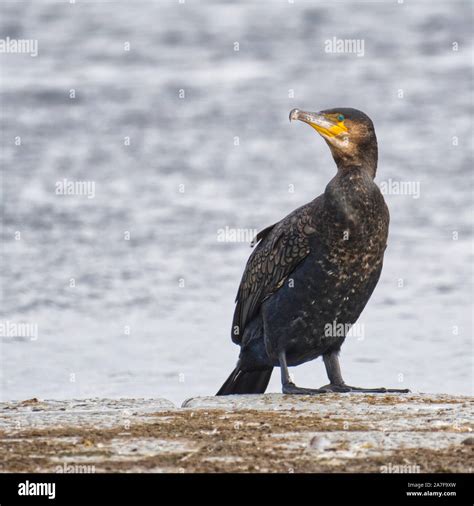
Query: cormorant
312, 273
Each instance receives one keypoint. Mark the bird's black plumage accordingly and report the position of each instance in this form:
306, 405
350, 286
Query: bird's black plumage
316, 269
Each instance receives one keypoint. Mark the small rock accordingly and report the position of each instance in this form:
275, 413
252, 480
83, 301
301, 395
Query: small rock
27, 402
319, 443
468, 441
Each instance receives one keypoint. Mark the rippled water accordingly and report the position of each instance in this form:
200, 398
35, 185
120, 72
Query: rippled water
150, 316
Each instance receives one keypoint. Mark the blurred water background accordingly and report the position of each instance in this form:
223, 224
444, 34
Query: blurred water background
150, 316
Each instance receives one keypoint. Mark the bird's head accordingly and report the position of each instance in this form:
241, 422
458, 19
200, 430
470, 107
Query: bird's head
349, 133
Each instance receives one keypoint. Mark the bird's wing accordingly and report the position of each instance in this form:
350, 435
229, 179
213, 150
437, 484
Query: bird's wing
281, 248
262, 234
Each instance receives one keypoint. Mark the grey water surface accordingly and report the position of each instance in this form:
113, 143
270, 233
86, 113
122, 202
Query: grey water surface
178, 115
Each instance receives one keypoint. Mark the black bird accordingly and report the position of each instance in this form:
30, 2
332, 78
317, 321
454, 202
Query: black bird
312, 273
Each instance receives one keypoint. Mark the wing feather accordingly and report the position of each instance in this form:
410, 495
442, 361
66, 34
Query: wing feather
281, 247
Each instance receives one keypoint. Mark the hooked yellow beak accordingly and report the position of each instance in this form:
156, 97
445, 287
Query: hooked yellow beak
324, 124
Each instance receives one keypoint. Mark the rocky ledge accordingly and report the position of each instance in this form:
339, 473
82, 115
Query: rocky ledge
248, 433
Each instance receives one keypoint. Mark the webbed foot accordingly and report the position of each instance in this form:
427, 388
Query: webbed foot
291, 388
343, 388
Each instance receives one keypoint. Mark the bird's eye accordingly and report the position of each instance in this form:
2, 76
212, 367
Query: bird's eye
340, 117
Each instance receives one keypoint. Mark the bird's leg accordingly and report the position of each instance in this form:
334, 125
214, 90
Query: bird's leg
331, 361
288, 387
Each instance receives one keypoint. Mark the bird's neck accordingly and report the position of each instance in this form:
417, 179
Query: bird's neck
350, 184
350, 197
362, 158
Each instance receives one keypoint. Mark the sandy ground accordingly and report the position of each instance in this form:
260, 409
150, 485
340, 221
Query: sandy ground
264, 433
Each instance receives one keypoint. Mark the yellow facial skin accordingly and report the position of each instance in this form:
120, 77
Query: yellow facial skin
329, 125
332, 131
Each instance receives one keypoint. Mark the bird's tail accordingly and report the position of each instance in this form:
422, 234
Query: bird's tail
243, 382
